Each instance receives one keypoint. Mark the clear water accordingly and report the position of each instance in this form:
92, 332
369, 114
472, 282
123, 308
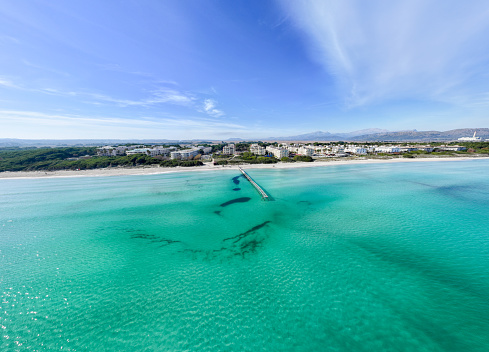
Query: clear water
380, 257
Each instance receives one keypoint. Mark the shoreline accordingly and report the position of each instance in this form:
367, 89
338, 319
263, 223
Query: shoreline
156, 170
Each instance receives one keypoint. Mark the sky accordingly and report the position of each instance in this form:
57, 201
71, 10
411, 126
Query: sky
219, 69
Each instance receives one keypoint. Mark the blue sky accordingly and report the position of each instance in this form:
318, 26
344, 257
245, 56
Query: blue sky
250, 69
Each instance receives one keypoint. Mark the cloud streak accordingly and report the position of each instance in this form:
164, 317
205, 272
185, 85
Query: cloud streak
7, 83
28, 124
380, 50
161, 95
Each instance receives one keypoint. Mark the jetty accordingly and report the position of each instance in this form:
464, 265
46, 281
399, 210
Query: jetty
263, 194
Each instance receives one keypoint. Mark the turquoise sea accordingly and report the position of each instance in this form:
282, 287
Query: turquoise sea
378, 257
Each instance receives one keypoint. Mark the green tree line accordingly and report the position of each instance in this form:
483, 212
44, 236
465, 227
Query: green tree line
56, 159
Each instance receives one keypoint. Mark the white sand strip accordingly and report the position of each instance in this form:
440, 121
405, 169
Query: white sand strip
152, 170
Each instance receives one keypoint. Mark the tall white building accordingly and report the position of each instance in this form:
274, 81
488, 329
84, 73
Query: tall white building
229, 149
206, 150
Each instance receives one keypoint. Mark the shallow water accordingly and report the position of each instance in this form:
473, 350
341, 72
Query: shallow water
380, 257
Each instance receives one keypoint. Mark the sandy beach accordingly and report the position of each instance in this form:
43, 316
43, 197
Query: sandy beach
153, 170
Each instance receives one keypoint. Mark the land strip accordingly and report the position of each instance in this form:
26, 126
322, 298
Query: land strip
156, 169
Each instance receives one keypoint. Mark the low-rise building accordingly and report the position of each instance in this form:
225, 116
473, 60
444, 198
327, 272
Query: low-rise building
111, 151
293, 148
257, 149
160, 151
305, 151
277, 152
338, 149
353, 149
387, 149
150, 151
451, 148
426, 148
185, 154
206, 150
145, 151
407, 149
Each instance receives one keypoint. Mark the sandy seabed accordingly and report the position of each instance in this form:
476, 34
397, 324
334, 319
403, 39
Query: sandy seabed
153, 170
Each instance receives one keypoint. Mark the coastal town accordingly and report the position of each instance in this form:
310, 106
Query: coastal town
282, 151
215, 155
276, 150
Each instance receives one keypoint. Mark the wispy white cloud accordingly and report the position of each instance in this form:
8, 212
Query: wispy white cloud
7, 83
380, 50
32, 124
8, 38
43, 68
160, 95
209, 106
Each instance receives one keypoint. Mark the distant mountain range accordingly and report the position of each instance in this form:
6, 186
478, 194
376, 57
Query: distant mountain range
327, 136
375, 134
424, 136
367, 135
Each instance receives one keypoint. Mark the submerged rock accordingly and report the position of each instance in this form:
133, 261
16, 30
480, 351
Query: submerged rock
244, 234
237, 200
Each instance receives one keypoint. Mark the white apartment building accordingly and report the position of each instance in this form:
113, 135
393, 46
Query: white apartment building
146, 151
150, 151
451, 148
407, 149
278, 152
305, 151
353, 149
257, 149
293, 149
229, 149
160, 151
387, 149
185, 154
111, 151
338, 149
426, 148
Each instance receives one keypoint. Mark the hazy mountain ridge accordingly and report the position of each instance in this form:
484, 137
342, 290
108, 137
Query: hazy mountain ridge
320, 135
384, 135
424, 136
357, 136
